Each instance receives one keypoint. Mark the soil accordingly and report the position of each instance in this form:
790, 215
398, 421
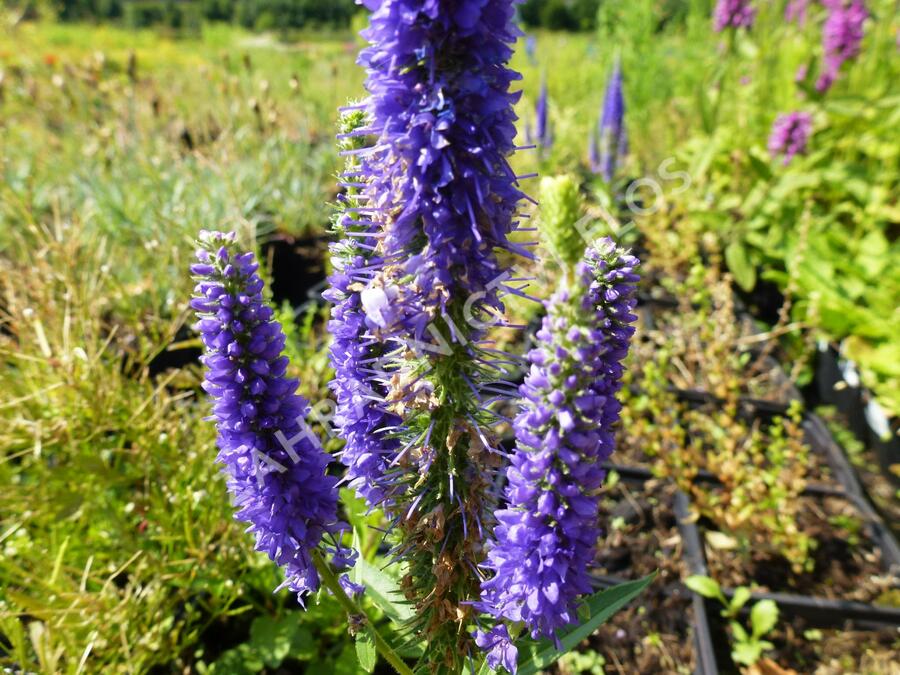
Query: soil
654, 634
847, 565
836, 652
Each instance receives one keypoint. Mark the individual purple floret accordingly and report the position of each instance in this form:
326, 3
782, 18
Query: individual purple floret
789, 136
733, 14
501, 652
610, 144
796, 11
275, 467
546, 536
842, 36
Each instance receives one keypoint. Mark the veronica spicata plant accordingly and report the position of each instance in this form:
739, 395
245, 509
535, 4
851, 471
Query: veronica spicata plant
422, 263
609, 145
541, 135
275, 467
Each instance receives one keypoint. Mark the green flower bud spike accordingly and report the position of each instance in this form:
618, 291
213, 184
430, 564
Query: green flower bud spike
561, 209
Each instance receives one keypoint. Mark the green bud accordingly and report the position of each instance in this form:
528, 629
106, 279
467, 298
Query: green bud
561, 208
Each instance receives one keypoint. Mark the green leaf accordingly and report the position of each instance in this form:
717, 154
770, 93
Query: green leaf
738, 600
382, 590
705, 586
366, 653
242, 660
270, 638
746, 653
739, 263
740, 634
763, 617
274, 639
603, 605
346, 663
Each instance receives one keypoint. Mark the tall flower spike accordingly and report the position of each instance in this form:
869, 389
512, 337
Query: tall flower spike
733, 14
612, 137
442, 112
437, 180
275, 467
361, 413
543, 136
842, 35
546, 536
790, 133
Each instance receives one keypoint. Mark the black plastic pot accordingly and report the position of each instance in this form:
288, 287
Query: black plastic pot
764, 301
883, 435
833, 388
297, 265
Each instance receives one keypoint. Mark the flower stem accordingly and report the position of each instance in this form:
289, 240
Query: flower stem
330, 581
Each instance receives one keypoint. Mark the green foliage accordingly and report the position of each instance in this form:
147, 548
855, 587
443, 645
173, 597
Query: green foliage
824, 226
187, 14
587, 661
747, 647
271, 641
570, 15
180, 16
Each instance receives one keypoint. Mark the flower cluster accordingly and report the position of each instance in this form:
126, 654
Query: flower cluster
275, 466
790, 134
842, 36
546, 536
610, 143
733, 14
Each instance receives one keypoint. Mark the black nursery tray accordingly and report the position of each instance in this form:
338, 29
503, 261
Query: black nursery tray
837, 384
815, 612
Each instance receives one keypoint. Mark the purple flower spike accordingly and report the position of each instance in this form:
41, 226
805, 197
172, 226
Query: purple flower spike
434, 202
733, 14
542, 135
275, 467
789, 136
361, 412
610, 144
443, 123
546, 536
842, 36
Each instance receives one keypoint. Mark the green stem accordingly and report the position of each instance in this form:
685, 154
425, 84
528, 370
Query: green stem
330, 581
